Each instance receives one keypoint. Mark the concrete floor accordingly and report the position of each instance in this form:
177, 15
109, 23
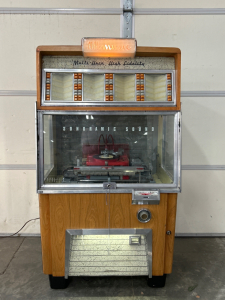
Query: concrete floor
198, 273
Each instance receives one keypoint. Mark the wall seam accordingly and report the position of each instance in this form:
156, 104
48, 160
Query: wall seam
112, 11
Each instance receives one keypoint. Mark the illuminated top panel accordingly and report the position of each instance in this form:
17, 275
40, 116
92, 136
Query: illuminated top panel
105, 47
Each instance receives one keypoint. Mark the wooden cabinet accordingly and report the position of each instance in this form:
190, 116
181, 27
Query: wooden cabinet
76, 208
59, 212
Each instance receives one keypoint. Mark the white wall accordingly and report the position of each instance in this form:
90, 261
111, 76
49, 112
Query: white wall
200, 206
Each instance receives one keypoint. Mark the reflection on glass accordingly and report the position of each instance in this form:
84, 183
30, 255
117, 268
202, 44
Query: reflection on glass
119, 148
124, 87
48, 148
155, 87
62, 87
93, 87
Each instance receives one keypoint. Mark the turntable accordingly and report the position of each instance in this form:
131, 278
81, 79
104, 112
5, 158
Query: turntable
111, 155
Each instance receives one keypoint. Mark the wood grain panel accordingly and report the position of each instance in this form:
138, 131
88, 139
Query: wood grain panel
124, 215
88, 211
63, 211
170, 225
105, 108
44, 209
178, 78
38, 76
60, 221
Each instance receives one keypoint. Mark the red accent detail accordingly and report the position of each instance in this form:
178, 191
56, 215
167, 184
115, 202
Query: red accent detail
89, 151
140, 168
126, 177
122, 161
76, 168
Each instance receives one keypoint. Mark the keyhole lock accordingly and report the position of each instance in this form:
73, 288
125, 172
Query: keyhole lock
144, 215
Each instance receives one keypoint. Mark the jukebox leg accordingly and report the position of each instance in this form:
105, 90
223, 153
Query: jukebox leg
58, 282
157, 281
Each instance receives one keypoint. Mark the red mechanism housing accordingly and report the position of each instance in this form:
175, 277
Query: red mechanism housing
93, 153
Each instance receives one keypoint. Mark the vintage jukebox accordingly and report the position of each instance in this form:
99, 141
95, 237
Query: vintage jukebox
108, 159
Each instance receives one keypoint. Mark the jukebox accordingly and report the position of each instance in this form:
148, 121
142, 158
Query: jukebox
108, 159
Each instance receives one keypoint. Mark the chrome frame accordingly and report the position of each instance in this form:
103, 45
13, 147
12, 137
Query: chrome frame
163, 165
120, 187
108, 103
36, 145
113, 231
51, 150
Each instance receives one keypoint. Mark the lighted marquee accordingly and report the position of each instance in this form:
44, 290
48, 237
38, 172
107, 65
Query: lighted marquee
101, 47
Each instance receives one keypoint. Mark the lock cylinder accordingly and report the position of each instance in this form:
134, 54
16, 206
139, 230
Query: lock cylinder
144, 215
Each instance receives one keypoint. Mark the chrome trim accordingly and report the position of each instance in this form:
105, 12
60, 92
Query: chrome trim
149, 249
50, 87
113, 231
36, 144
43, 86
104, 88
108, 103
135, 240
67, 252
106, 231
100, 113
104, 71
180, 150
98, 191
41, 150
100, 186
177, 150
109, 185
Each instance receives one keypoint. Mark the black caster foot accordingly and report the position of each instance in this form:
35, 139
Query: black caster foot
157, 281
58, 282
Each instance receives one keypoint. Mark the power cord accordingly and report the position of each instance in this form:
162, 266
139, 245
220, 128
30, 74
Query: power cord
1, 237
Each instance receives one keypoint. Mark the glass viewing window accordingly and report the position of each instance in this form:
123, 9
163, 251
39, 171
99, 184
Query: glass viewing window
123, 148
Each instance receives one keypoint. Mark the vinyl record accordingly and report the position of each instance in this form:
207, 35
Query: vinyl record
105, 157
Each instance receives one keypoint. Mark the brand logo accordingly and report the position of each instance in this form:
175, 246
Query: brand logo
108, 47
